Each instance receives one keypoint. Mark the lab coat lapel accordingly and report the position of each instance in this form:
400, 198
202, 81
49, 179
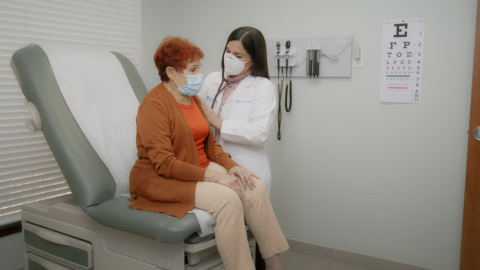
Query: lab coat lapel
218, 79
244, 84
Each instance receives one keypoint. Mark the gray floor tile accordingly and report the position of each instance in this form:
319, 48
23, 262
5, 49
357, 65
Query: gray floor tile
342, 266
371, 263
296, 261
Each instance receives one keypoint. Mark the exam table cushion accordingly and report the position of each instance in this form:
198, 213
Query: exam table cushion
115, 213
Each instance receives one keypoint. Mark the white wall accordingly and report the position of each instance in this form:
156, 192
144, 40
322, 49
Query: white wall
384, 180
158, 21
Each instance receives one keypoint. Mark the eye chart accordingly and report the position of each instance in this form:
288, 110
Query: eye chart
402, 59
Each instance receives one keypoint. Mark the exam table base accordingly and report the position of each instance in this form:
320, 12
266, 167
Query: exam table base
60, 236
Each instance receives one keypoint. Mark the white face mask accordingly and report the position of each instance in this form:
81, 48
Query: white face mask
233, 66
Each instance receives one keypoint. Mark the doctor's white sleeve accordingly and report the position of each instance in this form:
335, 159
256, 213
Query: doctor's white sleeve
204, 90
256, 131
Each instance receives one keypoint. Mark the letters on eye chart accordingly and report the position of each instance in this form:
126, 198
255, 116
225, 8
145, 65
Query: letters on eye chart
402, 59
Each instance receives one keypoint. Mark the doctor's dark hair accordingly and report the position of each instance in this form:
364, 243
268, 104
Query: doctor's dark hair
254, 43
175, 52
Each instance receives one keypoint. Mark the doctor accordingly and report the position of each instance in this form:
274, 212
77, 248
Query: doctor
240, 101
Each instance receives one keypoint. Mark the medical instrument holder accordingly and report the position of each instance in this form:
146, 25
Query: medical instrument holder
338, 46
292, 57
313, 61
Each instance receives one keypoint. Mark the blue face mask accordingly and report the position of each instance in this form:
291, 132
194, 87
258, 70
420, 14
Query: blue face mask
194, 84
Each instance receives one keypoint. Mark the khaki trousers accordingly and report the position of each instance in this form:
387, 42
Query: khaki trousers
229, 213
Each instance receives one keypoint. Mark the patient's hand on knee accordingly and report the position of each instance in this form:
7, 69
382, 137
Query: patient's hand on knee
245, 176
227, 180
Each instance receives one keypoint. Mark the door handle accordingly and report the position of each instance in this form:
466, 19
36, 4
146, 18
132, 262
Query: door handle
476, 134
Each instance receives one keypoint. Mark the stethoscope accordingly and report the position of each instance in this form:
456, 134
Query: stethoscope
227, 83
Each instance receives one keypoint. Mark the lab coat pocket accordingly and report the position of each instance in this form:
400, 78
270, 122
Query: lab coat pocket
240, 110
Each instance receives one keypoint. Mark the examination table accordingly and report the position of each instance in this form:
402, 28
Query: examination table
93, 228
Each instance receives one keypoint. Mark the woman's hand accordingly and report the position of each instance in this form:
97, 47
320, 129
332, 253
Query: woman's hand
213, 118
232, 182
245, 176
222, 178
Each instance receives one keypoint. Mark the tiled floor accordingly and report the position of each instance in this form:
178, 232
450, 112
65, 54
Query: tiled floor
296, 261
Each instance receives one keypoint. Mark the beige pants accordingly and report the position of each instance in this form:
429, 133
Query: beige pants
229, 213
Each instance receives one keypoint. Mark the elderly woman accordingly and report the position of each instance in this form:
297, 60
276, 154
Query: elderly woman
181, 166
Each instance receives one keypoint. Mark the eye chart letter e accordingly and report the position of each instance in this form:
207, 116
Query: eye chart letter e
402, 59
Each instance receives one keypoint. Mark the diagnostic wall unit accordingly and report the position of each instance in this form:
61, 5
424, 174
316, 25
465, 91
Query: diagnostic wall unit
333, 47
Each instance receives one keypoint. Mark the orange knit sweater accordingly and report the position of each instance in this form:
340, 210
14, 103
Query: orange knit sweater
164, 177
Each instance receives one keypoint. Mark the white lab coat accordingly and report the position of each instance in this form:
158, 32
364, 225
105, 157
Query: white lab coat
248, 116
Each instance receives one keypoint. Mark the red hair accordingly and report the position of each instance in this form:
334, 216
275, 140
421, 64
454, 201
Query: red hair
175, 52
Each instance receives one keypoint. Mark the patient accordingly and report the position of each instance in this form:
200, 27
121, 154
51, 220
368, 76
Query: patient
181, 166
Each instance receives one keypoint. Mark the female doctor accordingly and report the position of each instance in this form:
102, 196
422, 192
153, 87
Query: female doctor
240, 101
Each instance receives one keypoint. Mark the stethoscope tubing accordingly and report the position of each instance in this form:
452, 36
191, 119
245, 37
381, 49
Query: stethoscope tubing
279, 115
220, 88
288, 105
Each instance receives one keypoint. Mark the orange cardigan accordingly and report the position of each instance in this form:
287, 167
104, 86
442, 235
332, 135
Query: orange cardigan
165, 175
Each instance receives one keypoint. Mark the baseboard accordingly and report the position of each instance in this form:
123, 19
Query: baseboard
351, 258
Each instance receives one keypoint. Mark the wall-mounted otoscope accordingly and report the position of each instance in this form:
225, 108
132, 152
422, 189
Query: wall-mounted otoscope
288, 105
278, 57
280, 88
289, 54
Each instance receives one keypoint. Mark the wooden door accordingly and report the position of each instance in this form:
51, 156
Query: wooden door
470, 254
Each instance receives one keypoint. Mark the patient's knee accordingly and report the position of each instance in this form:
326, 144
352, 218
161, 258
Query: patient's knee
260, 186
229, 199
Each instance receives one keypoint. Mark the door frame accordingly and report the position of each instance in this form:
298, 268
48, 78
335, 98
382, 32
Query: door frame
470, 249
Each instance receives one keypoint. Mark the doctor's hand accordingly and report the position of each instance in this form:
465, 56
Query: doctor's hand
245, 176
213, 118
